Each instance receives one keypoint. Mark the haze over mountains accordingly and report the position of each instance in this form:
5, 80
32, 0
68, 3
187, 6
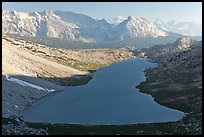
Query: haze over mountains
62, 27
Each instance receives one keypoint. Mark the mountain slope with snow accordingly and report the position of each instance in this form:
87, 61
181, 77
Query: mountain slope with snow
67, 29
117, 20
138, 27
38, 24
184, 28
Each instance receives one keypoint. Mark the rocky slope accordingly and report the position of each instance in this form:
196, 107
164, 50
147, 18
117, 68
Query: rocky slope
177, 83
184, 50
17, 59
29, 70
19, 127
185, 53
23, 65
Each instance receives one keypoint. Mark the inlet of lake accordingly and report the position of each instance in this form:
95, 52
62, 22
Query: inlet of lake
110, 98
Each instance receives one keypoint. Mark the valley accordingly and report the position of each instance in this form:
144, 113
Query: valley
68, 73
165, 83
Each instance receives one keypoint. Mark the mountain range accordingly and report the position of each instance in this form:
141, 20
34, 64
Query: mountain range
180, 27
68, 29
184, 28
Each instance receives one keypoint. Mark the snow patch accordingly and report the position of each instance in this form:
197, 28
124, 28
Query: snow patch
23, 83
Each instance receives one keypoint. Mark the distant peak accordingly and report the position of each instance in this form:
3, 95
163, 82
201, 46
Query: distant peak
131, 18
47, 12
36, 13
103, 20
158, 20
13, 12
172, 22
119, 17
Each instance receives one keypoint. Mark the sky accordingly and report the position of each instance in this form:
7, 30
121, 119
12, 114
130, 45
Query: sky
166, 11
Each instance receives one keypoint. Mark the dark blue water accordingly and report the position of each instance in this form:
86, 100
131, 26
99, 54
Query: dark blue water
109, 98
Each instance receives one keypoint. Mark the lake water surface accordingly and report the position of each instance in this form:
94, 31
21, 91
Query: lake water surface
109, 98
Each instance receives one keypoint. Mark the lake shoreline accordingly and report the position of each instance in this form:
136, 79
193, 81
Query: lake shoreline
141, 128
95, 90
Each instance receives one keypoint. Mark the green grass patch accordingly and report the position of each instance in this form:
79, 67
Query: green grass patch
84, 79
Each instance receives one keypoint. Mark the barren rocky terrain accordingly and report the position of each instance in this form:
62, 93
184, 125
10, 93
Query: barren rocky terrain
177, 83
